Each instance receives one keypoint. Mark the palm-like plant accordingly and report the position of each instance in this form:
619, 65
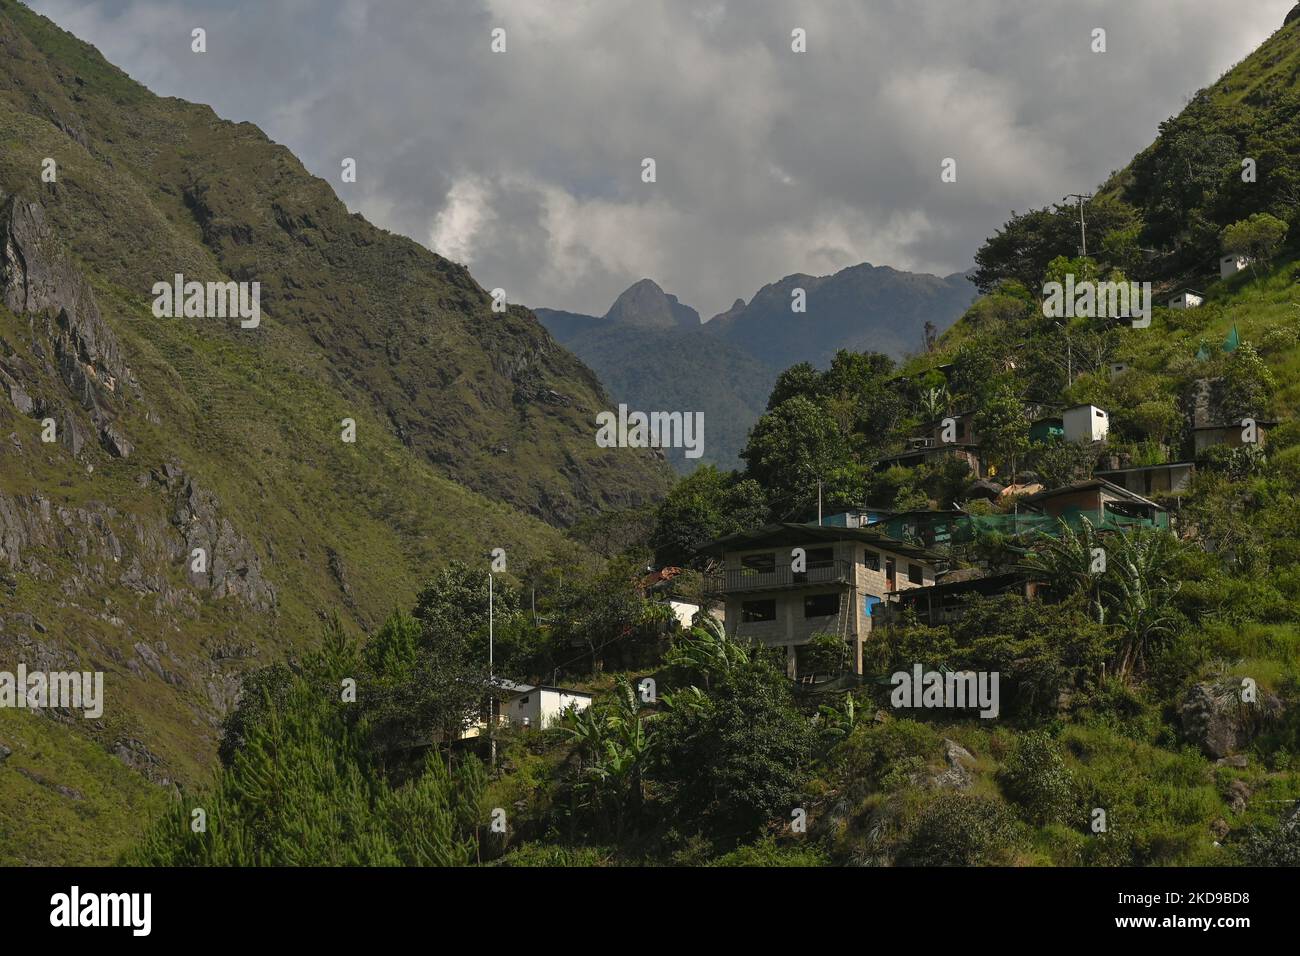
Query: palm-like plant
614, 745
1140, 591
1065, 560
837, 723
705, 651
934, 403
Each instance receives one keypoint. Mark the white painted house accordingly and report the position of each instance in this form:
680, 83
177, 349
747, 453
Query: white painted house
1230, 265
1085, 423
541, 706
1186, 299
684, 612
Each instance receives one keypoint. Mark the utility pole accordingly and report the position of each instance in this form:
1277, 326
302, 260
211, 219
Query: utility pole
492, 702
1083, 232
819, 504
1069, 355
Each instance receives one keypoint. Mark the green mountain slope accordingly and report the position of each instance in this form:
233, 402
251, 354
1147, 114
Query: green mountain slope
181, 435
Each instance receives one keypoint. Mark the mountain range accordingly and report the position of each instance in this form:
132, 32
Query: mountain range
654, 353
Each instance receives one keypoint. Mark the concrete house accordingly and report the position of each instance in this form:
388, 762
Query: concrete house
1100, 501
1233, 435
1168, 479
541, 706
1085, 423
1186, 299
1230, 265
848, 573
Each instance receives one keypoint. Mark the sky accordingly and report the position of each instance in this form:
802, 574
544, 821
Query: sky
527, 165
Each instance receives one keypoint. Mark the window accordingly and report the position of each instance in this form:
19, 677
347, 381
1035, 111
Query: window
915, 574
821, 605
871, 560
752, 612
821, 557
869, 601
759, 563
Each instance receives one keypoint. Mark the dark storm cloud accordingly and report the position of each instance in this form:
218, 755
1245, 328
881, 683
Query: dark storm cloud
526, 165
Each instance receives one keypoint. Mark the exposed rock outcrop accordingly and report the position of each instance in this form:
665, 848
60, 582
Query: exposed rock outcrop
229, 564
1217, 720
40, 279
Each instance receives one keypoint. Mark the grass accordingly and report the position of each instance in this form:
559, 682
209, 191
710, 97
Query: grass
104, 810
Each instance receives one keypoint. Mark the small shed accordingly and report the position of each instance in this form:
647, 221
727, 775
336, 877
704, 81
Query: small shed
1085, 423
1186, 299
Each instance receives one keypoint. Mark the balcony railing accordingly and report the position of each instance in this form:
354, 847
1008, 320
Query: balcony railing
745, 579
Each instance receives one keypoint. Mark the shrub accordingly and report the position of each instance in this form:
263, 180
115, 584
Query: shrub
1271, 846
1037, 779
962, 830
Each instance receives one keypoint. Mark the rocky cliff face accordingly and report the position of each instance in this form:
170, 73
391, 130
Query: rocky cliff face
68, 333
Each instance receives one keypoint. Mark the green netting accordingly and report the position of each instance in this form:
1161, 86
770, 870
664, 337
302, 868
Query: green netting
965, 529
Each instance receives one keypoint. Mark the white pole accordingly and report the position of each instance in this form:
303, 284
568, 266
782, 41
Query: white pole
492, 717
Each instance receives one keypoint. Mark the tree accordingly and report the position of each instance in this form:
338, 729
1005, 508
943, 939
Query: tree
615, 744
1003, 427
958, 829
1036, 778
1256, 238
801, 380
605, 610
428, 687
299, 788
705, 653
790, 450
1023, 247
1059, 462
735, 760
1068, 562
1248, 384
824, 654
705, 505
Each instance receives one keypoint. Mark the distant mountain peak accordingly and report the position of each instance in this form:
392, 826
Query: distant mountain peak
647, 305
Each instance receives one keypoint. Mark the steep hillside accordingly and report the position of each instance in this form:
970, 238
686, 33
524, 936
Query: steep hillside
199, 510
863, 307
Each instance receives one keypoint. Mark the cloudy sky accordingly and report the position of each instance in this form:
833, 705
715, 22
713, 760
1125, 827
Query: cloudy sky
526, 165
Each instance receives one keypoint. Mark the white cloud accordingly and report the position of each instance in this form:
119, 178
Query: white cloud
526, 166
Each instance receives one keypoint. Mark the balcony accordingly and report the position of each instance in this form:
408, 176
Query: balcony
739, 580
